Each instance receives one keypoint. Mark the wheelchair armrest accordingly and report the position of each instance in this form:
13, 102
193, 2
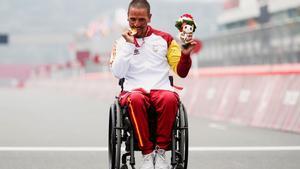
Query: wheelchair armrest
121, 82
172, 83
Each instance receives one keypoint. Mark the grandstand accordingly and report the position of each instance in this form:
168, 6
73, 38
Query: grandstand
255, 32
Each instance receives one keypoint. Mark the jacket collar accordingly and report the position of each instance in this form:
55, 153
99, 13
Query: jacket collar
149, 31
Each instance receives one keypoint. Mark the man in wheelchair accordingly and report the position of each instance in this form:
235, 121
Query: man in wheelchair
143, 56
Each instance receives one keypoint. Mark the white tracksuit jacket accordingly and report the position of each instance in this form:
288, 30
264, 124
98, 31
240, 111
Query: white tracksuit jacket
148, 65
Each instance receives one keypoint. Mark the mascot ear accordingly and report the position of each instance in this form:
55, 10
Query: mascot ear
194, 27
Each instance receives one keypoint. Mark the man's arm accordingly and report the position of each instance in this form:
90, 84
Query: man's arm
179, 59
184, 65
121, 54
120, 57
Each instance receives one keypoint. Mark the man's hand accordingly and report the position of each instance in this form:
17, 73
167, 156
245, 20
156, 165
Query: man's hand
129, 38
190, 48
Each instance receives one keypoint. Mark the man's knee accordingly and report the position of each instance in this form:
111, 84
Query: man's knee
137, 98
169, 97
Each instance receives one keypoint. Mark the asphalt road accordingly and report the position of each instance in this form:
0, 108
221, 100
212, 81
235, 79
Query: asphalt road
54, 129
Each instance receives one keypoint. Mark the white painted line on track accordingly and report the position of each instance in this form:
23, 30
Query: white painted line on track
217, 126
53, 148
247, 148
193, 149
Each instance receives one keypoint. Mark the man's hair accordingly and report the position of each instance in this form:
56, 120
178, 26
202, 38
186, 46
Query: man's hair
139, 4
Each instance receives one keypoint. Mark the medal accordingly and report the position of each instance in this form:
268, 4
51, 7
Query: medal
137, 46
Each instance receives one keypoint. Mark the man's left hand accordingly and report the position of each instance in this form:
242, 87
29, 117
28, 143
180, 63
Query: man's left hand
190, 48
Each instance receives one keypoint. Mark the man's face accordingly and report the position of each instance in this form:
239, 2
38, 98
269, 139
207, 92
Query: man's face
139, 18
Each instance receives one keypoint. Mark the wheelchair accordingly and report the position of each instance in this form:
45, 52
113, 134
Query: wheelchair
121, 131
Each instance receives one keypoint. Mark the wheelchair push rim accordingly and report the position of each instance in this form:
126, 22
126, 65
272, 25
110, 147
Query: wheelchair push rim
114, 139
184, 138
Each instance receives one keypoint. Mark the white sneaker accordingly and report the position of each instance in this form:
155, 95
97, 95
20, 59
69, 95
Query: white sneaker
160, 160
148, 162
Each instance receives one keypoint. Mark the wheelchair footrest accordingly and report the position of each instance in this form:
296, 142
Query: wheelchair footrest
124, 158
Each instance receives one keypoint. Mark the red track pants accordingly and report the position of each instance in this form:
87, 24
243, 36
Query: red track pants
166, 105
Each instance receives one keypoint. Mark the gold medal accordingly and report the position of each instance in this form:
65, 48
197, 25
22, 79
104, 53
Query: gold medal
133, 31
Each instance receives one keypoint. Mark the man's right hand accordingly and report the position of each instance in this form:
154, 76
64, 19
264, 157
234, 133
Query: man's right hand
129, 38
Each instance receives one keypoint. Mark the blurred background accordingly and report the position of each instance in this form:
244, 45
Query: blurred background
58, 37
56, 88
37, 36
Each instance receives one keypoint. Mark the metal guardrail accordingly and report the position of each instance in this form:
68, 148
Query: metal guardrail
266, 44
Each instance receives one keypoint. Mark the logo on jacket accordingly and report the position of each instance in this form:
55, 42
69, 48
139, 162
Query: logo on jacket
136, 52
157, 47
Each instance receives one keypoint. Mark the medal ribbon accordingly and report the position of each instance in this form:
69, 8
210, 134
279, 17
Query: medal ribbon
136, 42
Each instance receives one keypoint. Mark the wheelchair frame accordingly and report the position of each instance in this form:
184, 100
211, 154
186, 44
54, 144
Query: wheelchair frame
120, 130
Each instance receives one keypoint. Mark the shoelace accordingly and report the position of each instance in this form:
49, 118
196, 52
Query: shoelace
147, 157
162, 154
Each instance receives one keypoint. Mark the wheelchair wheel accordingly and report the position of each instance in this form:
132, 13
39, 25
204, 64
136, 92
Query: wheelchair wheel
183, 135
114, 138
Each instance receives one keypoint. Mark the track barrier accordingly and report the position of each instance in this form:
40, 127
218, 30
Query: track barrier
265, 96
260, 96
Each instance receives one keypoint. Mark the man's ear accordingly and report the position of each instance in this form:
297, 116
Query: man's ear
150, 15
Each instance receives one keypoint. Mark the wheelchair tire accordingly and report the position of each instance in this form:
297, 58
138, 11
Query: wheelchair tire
179, 166
124, 167
114, 139
184, 135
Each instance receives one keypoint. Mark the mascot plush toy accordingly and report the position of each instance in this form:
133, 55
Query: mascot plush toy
186, 26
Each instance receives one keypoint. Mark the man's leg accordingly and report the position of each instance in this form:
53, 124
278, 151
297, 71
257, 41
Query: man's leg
166, 105
138, 104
